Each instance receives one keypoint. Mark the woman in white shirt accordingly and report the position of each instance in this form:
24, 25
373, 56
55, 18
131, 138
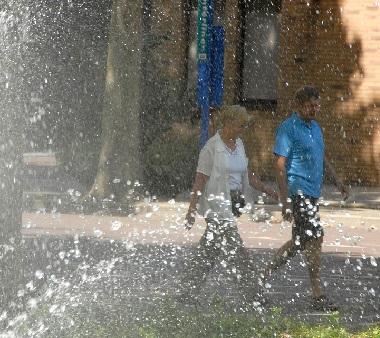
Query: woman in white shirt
221, 192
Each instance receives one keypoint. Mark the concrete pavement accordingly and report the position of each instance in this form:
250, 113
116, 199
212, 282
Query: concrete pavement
347, 229
350, 226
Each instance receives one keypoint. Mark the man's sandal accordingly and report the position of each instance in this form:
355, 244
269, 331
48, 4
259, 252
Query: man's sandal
322, 303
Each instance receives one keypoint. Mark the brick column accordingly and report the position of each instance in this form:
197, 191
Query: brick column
295, 50
233, 47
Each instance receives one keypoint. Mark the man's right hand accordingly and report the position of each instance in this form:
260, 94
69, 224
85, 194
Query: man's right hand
287, 214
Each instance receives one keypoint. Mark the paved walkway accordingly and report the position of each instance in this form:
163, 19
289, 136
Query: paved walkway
347, 229
352, 226
135, 261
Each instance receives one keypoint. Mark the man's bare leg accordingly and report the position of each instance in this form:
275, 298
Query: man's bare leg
283, 255
313, 252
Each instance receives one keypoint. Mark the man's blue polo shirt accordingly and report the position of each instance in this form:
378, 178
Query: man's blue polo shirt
303, 147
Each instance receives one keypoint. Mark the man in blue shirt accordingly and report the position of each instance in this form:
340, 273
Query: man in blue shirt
300, 167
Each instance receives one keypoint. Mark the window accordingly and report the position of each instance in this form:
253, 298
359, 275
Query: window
261, 51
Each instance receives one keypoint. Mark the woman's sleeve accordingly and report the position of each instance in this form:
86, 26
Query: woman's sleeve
205, 161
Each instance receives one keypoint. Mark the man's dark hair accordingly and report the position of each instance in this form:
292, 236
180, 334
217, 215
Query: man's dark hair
305, 94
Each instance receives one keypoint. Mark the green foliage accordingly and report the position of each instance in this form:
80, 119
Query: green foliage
194, 323
371, 332
80, 158
168, 319
171, 164
331, 328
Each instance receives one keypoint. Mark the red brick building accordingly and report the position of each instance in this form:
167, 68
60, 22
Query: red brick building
282, 45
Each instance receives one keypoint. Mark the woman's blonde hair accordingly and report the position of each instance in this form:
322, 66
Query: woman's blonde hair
233, 113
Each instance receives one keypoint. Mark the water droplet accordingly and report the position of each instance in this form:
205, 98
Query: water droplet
98, 233
39, 274
210, 236
115, 225
297, 241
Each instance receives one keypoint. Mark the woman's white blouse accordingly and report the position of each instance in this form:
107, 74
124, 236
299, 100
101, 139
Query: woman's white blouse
237, 170
215, 200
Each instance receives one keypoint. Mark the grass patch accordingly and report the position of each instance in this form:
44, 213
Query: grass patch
169, 319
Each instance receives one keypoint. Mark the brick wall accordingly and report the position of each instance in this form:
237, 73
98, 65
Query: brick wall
232, 56
331, 44
335, 46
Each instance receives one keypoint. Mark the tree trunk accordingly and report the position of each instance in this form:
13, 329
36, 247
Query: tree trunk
11, 125
119, 162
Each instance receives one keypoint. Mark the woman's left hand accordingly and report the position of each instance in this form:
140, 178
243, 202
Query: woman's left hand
273, 194
190, 218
